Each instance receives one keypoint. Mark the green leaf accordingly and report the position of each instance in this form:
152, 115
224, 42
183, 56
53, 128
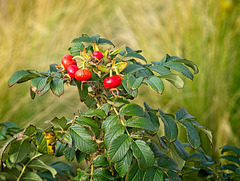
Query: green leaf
123, 165
21, 76
128, 49
131, 68
153, 174
134, 82
52, 67
164, 59
188, 63
30, 130
166, 162
30, 176
143, 153
9, 125
57, 86
106, 108
174, 79
119, 147
80, 156
69, 153
192, 134
172, 175
170, 127
82, 139
41, 166
103, 68
81, 39
115, 52
62, 168
9, 164
160, 69
100, 161
59, 123
231, 158
156, 150
95, 112
113, 133
231, 167
148, 108
154, 119
18, 150
89, 122
105, 41
120, 66
207, 132
227, 148
134, 173
183, 114
181, 150
140, 122
131, 92
132, 110
144, 73
45, 89
82, 90
67, 138
175, 155
96, 37
75, 50
103, 174
109, 122
180, 68
155, 84
59, 148
38, 84
135, 55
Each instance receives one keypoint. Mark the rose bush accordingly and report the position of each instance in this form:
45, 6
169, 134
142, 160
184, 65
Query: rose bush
116, 138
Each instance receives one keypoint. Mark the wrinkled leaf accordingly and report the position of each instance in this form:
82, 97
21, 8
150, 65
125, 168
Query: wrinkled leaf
119, 147
143, 153
82, 139
132, 110
140, 122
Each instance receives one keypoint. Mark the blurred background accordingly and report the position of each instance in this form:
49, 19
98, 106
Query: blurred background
34, 34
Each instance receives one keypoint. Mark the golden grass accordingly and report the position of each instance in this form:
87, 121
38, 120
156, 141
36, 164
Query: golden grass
34, 34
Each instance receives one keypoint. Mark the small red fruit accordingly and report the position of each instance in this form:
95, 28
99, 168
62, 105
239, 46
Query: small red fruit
72, 69
83, 75
67, 61
112, 82
98, 55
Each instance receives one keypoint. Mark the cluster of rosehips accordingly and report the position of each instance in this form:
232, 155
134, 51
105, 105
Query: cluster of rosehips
70, 64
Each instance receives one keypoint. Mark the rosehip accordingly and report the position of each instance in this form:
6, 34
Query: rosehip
83, 75
67, 61
112, 82
98, 55
72, 69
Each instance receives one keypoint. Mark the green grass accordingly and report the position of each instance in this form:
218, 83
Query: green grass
36, 33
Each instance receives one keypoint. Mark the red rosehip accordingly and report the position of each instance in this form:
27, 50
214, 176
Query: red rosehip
67, 61
72, 69
112, 82
98, 55
83, 75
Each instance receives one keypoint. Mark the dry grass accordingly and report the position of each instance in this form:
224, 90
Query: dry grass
34, 34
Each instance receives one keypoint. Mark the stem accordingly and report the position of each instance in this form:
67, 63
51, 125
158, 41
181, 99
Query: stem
91, 173
115, 110
110, 72
25, 166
